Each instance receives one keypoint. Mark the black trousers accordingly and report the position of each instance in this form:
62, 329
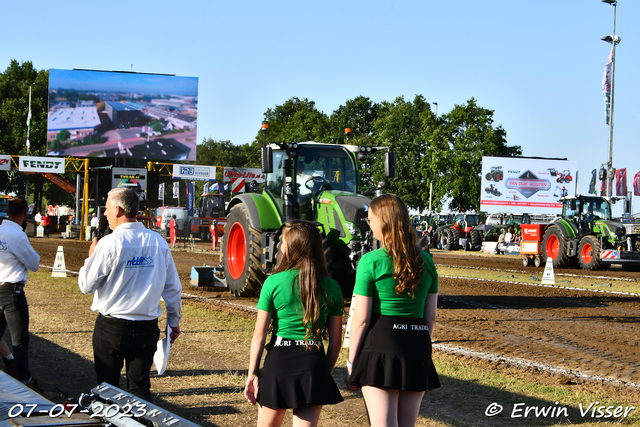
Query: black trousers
14, 313
116, 341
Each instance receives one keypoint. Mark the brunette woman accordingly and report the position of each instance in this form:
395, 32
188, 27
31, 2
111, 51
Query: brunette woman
303, 305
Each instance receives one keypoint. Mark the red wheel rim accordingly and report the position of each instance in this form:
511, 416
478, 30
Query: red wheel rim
553, 247
236, 251
587, 253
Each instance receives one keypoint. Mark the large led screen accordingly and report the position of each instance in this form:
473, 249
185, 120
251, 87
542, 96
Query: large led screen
119, 114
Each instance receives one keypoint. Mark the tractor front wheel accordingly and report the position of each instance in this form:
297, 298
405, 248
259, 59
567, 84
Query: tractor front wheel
589, 253
241, 254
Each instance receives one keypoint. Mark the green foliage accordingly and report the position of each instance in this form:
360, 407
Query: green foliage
63, 135
399, 126
464, 136
295, 121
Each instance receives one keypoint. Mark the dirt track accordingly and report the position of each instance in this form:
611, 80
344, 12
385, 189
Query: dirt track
586, 333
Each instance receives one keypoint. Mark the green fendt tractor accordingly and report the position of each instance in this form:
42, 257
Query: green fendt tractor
587, 233
310, 181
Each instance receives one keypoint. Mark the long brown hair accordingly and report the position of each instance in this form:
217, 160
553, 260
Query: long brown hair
304, 251
400, 241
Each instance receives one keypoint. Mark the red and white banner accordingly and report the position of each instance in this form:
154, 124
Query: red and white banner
161, 192
621, 182
603, 192
636, 185
176, 190
237, 185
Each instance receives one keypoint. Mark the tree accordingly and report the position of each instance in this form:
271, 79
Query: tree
14, 108
399, 126
295, 121
359, 115
462, 138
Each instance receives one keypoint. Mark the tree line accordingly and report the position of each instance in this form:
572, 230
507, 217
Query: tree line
441, 152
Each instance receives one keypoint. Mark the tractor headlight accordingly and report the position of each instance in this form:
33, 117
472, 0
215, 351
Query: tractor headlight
355, 232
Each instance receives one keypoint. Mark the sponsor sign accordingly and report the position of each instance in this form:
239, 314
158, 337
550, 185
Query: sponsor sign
248, 174
135, 178
524, 185
192, 172
5, 162
40, 164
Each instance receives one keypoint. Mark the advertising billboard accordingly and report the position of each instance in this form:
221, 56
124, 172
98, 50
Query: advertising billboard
119, 114
194, 172
526, 185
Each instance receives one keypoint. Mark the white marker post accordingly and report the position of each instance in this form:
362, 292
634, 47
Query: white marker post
59, 269
548, 278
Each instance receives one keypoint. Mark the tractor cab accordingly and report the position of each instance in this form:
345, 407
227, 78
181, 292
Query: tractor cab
582, 212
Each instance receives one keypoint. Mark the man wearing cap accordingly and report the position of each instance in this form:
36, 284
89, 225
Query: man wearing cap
129, 271
17, 258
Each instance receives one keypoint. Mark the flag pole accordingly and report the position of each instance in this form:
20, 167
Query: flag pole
614, 40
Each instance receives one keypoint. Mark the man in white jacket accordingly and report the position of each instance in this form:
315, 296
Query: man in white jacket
129, 271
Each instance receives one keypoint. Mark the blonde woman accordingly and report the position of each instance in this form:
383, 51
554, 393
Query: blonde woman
395, 311
303, 305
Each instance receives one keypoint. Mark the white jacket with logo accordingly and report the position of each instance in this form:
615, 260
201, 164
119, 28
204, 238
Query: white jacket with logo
129, 271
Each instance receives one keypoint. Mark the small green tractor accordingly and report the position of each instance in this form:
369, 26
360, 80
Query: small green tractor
330, 198
586, 233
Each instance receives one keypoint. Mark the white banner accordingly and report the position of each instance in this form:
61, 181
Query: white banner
521, 185
248, 174
176, 190
161, 192
5, 163
191, 172
41, 164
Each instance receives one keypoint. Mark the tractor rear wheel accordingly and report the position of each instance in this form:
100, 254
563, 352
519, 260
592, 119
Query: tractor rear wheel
589, 253
450, 239
476, 240
554, 246
241, 254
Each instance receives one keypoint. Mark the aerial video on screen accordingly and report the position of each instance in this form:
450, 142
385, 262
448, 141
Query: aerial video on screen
120, 114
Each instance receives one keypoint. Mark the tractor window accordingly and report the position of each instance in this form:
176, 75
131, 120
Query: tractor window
571, 213
274, 182
601, 209
334, 164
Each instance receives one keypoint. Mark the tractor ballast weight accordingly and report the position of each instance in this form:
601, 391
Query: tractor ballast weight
586, 234
328, 197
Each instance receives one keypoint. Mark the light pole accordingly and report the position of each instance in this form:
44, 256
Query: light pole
614, 40
26, 184
436, 104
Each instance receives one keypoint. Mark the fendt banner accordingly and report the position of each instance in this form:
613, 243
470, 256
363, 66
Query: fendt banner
524, 185
41, 164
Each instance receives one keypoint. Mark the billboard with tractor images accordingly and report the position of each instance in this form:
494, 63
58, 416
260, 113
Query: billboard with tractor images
526, 185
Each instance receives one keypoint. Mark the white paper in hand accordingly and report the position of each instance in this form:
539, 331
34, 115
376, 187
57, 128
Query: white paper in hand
161, 356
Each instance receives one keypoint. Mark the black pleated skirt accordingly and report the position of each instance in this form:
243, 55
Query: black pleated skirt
396, 354
293, 377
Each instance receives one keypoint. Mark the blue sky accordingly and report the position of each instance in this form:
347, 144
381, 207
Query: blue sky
538, 65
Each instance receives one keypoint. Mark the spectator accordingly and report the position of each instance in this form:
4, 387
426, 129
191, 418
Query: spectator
129, 271
94, 225
508, 237
46, 224
17, 258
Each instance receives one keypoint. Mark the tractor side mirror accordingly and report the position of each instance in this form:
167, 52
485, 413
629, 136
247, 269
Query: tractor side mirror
572, 204
267, 159
390, 164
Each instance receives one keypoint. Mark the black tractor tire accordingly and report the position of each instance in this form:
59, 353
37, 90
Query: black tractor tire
450, 240
589, 253
488, 176
554, 246
476, 240
241, 254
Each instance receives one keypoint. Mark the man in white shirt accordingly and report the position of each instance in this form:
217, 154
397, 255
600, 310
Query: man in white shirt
94, 226
509, 236
17, 258
129, 271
